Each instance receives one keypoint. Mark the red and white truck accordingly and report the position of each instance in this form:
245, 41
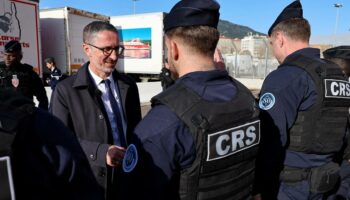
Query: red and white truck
143, 38
19, 20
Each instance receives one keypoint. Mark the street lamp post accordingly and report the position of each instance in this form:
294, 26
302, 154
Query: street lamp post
337, 6
266, 55
134, 6
236, 52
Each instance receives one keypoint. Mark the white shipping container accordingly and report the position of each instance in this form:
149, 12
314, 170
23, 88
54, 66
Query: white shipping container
143, 38
62, 36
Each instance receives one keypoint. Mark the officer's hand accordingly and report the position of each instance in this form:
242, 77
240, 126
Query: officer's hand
115, 155
165, 77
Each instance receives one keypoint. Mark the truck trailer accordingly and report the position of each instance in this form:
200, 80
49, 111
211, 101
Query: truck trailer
143, 38
62, 36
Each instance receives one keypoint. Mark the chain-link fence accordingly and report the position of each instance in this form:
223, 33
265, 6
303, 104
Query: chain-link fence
246, 66
250, 57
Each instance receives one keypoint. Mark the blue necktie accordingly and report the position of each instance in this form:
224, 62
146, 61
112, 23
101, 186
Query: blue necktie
116, 112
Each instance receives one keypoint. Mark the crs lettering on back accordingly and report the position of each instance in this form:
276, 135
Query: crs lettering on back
337, 89
228, 142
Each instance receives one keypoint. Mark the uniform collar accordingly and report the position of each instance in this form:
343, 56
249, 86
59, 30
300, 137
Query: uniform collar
308, 52
82, 77
198, 81
203, 76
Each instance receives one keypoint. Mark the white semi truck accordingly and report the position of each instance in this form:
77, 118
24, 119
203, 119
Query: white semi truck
62, 36
141, 35
19, 20
143, 38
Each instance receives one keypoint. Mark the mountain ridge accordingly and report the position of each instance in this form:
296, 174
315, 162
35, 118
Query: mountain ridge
232, 30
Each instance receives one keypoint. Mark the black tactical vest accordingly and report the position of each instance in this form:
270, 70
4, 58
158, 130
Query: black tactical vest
24, 73
226, 135
321, 129
10, 120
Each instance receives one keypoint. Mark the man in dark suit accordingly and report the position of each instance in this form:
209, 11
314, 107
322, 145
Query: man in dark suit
100, 105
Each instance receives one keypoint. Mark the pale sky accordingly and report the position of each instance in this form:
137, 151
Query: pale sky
256, 14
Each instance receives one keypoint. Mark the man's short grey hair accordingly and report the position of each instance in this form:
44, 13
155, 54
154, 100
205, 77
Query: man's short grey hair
95, 27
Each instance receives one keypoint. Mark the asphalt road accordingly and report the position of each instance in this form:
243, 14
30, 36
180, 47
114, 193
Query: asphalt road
147, 91
145, 107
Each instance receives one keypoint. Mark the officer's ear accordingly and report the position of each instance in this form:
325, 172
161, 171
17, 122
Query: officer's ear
174, 49
279, 38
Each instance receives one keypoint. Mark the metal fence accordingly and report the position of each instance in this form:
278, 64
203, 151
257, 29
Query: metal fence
246, 66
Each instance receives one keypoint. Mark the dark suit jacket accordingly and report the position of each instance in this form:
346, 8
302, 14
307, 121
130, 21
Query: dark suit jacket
77, 102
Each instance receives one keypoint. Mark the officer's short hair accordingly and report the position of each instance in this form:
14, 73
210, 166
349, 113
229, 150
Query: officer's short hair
95, 27
296, 29
50, 60
201, 39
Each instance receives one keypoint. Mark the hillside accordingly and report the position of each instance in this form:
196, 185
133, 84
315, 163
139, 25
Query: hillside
232, 30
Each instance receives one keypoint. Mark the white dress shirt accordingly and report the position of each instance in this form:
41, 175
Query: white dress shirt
111, 117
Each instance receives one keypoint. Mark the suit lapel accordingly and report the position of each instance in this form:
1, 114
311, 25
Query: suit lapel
84, 81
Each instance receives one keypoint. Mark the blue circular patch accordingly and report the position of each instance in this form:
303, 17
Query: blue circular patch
267, 101
130, 158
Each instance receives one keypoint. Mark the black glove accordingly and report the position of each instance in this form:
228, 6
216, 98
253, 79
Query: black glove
165, 78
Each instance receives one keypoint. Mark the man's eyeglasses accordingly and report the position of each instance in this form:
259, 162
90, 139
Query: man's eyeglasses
107, 51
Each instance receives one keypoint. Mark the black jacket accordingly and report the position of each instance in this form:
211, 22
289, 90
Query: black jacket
30, 83
76, 101
47, 160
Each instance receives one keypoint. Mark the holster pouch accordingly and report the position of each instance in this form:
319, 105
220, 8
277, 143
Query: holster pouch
324, 178
292, 175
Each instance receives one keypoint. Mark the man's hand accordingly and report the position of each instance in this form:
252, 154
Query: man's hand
115, 155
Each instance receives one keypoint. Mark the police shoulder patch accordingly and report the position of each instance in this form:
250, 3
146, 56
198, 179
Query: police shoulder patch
130, 158
267, 101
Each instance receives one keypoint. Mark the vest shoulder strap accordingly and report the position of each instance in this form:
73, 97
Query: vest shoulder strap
314, 67
189, 99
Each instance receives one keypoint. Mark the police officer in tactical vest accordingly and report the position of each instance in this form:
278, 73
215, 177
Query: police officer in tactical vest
341, 56
200, 138
39, 158
304, 115
20, 77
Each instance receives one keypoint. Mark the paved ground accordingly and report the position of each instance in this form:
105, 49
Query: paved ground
149, 89
145, 107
